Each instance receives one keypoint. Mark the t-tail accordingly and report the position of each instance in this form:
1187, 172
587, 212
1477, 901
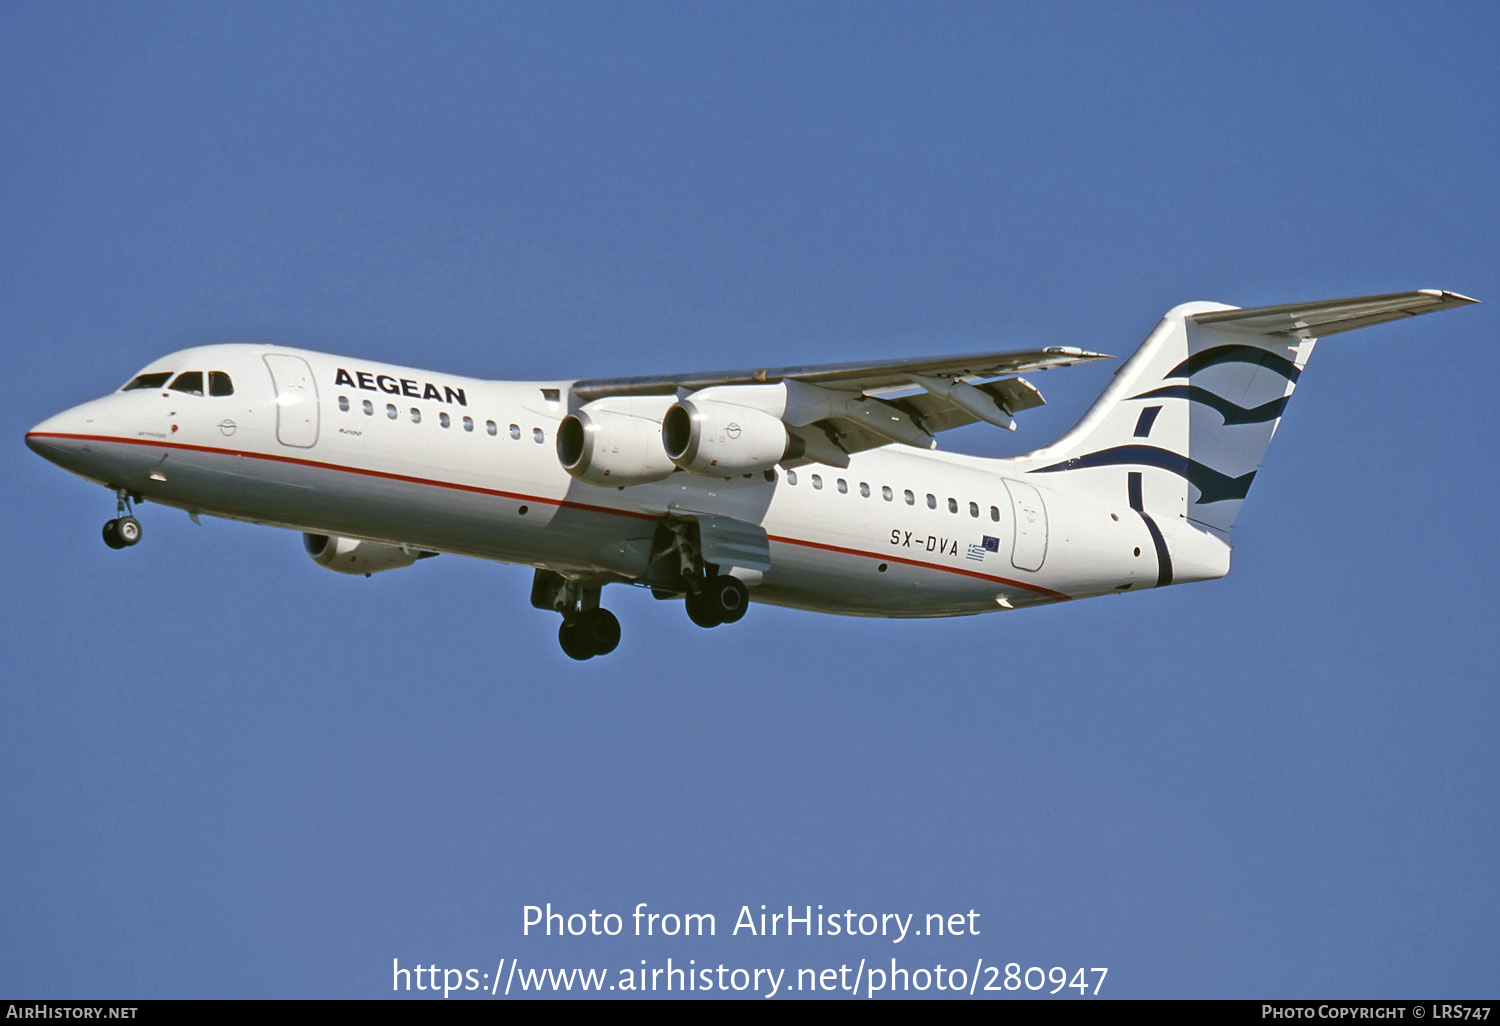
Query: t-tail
1181, 431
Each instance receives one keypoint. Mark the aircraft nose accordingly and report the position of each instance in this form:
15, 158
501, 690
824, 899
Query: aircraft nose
43, 440
50, 438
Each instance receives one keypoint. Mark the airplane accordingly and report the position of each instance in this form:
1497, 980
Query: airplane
816, 487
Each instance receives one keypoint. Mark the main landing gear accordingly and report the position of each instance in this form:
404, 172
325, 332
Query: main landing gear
125, 530
587, 629
590, 633
675, 569
678, 567
721, 599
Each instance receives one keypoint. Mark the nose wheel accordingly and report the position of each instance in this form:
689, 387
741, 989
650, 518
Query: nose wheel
122, 533
125, 530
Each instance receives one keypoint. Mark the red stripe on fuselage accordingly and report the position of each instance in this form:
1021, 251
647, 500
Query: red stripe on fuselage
562, 503
885, 558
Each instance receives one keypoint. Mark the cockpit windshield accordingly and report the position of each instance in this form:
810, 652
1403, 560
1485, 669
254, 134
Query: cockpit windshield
190, 382
156, 379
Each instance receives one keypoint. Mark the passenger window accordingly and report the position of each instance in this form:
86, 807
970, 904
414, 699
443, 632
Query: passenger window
343, 404
817, 481
219, 383
190, 382
515, 431
995, 514
886, 493
864, 489
444, 419
390, 410
368, 407
536, 435
489, 426
843, 487
931, 501
791, 477
468, 423
952, 504
911, 500
416, 415
974, 510
148, 381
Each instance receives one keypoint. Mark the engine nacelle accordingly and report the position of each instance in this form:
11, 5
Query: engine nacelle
724, 439
353, 556
615, 444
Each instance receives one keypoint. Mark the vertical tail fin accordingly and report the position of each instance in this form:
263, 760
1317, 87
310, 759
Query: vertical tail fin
1184, 425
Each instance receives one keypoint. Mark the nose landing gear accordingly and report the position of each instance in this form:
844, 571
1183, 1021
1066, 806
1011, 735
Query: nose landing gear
122, 533
125, 530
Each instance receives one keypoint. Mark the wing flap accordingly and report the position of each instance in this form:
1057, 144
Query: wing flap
1015, 394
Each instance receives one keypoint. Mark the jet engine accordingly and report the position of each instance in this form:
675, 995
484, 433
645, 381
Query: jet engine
724, 439
353, 556
614, 444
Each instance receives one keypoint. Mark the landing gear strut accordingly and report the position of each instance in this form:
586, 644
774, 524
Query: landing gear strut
587, 630
125, 530
713, 598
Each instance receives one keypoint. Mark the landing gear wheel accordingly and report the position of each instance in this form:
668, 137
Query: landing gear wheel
593, 632
125, 529
599, 629
128, 530
574, 644
727, 597
701, 612
587, 630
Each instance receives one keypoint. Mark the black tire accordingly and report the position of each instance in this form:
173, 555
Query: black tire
728, 597
574, 643
128, 529
599, 629
112, 535
701, 611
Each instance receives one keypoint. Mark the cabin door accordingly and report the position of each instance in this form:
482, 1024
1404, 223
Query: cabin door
1030, 547
296, 400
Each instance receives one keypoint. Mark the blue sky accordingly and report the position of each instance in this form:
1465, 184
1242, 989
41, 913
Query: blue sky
227, 772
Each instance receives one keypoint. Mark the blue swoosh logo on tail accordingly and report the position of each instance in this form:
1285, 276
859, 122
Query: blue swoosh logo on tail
1235, 354
1231, 413
1212, 486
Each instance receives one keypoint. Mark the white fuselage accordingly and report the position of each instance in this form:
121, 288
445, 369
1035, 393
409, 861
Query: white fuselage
459, 465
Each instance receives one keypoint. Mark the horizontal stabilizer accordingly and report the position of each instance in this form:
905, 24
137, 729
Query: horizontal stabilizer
1182, 429
1331, 316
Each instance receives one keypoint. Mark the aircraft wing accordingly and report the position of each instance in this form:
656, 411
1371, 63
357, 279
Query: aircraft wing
851, 377
859, 409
